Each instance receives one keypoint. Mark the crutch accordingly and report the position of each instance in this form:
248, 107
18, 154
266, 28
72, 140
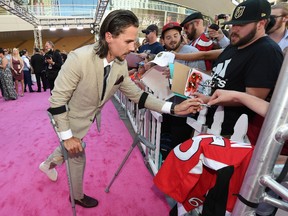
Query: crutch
65, 154
137, 139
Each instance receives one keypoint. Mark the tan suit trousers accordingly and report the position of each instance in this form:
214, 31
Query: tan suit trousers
76, 164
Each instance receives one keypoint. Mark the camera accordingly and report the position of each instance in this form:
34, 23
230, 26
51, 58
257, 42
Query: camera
222, 16
48, 56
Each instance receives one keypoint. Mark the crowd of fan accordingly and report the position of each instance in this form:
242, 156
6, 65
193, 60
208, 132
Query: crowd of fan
211, 48
193, 36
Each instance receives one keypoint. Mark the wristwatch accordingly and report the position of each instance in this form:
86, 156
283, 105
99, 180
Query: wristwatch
172, 111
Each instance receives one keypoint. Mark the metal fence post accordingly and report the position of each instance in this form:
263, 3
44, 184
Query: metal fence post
268, 146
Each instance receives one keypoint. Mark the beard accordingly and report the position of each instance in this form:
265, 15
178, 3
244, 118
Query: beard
173, 46
242, 41
191, 35
120, 59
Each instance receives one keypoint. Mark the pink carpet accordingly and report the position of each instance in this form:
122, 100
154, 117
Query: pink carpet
27, 139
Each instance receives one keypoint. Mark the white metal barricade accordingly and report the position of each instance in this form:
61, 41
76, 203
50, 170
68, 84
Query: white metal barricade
152, 132
151, 128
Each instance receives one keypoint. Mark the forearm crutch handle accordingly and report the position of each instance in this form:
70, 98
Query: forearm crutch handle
52, 120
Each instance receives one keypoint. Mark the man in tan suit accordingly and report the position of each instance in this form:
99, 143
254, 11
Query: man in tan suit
79, 95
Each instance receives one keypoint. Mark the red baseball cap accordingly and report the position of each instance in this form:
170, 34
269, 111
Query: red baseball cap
171, 25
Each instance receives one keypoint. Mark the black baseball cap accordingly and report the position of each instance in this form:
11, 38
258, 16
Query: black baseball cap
151, 28
193, 16
214, 26
250, 11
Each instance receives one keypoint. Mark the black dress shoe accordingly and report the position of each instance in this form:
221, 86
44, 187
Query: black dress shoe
86, 202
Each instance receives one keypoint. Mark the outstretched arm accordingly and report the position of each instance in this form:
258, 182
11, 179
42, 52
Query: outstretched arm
222, 97
201, 55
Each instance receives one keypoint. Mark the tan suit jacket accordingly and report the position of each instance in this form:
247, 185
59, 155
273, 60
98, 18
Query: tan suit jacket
79, 85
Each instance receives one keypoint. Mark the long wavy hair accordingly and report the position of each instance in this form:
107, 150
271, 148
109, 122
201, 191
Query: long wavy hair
115, 23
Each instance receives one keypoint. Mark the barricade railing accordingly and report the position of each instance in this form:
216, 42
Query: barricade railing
151, 128
152, 132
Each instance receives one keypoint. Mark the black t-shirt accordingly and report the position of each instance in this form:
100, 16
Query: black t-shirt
255, 66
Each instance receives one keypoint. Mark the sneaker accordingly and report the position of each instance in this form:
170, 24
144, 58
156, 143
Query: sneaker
51, 173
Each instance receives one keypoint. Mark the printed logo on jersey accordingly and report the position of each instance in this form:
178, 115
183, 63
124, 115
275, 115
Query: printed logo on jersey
219, 72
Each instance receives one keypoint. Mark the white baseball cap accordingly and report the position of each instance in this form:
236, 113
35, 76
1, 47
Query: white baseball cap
164, 58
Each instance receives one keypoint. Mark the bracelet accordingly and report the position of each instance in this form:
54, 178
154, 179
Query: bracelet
172, 111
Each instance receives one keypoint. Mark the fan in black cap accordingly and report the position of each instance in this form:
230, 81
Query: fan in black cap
250, 11
151, 28
193, 16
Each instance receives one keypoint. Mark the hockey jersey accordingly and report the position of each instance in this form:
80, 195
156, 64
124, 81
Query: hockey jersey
190, 170
204, 44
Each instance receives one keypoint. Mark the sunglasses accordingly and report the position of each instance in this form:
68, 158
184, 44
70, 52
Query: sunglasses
148, 32
275, 17
186, 26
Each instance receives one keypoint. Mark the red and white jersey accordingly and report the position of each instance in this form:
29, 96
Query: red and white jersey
190, 170
204, 44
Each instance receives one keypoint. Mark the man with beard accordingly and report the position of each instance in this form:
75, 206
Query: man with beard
88, 79
279, 32
251, 64
195, 31
175, 130
171, 35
